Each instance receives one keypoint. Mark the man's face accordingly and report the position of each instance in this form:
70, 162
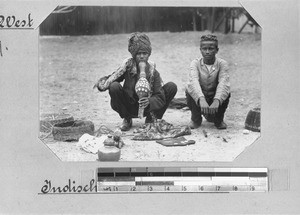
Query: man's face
142, 56
208, 49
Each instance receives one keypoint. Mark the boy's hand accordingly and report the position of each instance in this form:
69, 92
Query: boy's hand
214, 106
144, 102
204, 106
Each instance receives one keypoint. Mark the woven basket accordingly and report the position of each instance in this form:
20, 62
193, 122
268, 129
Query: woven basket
69, 131
253, 120
50, 119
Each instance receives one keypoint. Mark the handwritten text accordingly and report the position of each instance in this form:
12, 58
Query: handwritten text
13, 22
71, 187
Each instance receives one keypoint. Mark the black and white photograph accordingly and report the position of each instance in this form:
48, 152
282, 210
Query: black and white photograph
149, 107
148, 83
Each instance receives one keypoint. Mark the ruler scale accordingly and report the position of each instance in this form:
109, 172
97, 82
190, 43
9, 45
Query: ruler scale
181, 179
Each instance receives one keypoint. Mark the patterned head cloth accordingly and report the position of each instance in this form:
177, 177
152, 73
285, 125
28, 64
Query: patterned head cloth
209, 37
139, 42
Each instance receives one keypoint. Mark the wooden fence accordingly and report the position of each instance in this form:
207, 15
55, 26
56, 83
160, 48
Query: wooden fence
93, 20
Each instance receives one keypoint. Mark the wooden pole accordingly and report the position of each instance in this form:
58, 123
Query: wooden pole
221, 20
194, 21
243, 26
213, 20
226, 29
202, 24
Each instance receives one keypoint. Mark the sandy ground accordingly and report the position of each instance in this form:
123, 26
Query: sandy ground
69, 67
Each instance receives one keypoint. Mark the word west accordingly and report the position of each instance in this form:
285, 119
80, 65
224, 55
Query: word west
71, 187
12, 22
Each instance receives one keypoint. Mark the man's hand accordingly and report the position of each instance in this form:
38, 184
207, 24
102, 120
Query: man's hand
101, 84
204, 106
214, 106
144, 102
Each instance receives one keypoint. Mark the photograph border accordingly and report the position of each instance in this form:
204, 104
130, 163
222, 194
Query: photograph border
27, 163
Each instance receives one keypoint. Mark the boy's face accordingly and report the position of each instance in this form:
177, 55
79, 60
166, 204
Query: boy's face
208, 50
142, 56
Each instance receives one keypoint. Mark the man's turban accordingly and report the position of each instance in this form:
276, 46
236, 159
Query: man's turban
139, 42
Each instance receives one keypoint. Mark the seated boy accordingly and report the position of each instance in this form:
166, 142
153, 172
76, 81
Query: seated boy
208, 88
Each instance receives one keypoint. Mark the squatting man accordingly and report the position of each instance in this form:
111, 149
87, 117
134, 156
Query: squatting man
124, 99
207, 91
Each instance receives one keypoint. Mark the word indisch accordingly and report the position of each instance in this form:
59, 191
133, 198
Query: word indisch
71, 187
12, 22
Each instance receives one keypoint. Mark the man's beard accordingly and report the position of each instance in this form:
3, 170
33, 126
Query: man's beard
138, 61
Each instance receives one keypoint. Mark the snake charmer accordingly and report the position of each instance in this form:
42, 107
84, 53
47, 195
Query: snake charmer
124, 99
